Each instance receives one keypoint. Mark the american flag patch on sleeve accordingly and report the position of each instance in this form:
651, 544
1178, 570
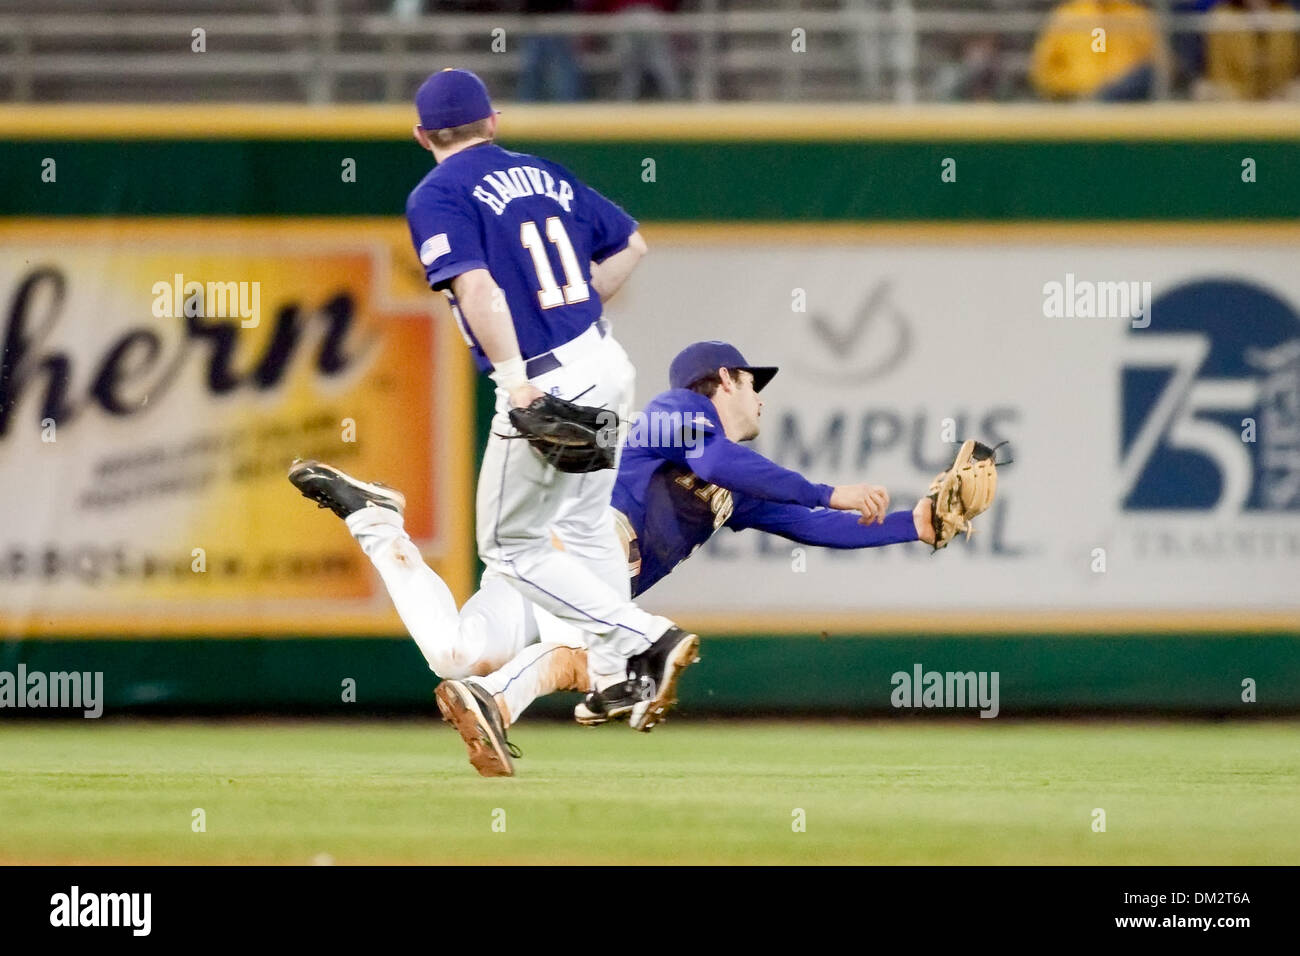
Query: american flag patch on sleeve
434, 247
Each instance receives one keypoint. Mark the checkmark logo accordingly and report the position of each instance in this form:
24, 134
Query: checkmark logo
878, 329
837, 342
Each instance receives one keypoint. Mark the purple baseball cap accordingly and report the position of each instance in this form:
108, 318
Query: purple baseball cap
704, 358
452, 98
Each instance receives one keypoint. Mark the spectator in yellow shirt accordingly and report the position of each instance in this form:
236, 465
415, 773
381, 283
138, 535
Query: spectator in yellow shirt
1097, 49
1243, 63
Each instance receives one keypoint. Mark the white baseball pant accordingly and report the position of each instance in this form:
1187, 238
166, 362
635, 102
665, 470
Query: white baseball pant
521, 500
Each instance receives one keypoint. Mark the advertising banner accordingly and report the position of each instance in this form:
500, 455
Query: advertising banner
159, 377
1146, 383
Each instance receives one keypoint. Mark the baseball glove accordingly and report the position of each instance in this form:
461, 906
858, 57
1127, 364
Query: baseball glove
573, 438
964, 491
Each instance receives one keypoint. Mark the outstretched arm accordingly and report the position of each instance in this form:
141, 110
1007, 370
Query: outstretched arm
732, 466
835, 529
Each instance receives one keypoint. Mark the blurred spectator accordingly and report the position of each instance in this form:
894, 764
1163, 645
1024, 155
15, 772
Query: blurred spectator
1188, 46
1243, 63
412, 9
1072, 61
976, 74
641, 49
550, 70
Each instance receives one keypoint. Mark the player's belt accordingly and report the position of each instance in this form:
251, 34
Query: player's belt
627, 538
550, 361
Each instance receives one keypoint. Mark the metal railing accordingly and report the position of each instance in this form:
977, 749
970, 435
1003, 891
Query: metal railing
874, 50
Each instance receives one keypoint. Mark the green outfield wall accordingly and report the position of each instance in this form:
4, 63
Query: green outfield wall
1037, 673
693, 182
1011, 168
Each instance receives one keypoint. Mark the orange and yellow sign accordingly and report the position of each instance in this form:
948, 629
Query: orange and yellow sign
157, 379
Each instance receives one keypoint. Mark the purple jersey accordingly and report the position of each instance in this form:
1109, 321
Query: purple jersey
681, 478
532, 225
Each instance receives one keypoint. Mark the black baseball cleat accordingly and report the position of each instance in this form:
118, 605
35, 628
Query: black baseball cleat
614, 702
662, 665
475, 715
342, 494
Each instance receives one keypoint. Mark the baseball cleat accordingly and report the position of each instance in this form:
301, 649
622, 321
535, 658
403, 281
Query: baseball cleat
614, 702
663, 664
475, 715
341, 493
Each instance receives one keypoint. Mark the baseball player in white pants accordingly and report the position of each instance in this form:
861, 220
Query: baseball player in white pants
526, 253
521, 501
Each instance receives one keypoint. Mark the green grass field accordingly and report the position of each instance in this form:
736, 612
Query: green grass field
890, 791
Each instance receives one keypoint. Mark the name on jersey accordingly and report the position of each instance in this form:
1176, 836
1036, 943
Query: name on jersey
718, 500
502, 185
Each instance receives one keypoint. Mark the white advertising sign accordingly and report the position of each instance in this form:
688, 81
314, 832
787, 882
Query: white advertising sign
1149, 395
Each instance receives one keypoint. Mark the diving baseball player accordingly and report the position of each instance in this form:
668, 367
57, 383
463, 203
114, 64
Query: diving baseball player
683, 475
527, 253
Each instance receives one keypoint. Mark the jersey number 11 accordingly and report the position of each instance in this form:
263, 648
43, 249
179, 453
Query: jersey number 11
550, 294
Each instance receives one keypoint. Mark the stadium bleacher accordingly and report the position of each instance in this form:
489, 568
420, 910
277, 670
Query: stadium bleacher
321, 51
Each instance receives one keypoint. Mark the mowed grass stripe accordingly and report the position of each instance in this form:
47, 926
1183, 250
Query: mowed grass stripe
898, 791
